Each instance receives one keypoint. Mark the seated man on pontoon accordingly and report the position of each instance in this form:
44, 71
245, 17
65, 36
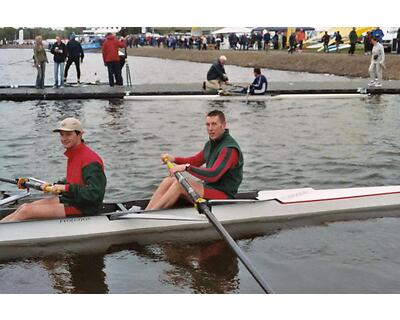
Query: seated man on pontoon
221, 176
83, 190
216, 76
259, 85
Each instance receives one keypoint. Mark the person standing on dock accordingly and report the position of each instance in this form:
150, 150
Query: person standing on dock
81, 193
377, 63
325, 39
59, 50
40, 60
220, 178
300, 37
75, 55
111, 59
353, 39
292, 43
216, 76
338, 40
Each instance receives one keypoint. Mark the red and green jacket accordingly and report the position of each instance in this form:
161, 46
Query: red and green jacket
224, 164
85, 181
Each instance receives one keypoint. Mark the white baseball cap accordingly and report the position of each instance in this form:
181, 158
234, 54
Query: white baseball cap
69, 124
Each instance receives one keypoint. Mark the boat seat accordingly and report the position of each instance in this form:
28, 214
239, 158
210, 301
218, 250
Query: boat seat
247, 195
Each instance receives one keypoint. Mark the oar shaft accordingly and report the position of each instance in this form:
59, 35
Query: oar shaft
203, 208
222, 231
8, 180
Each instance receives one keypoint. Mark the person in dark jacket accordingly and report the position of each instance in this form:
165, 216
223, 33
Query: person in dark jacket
292, 43
75, 55
267, 39
216, 76
112, 60
81, 193
325, 39
398, 40
353, 39
338, 40
259, 85
59, 50
221, 176
275, 41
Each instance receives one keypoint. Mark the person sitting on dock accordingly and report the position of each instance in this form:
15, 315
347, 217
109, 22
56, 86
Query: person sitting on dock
221, 177
82, 191
259, 85
216, 76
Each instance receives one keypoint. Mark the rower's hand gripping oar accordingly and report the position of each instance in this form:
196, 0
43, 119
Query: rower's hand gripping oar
26, 183
202, 207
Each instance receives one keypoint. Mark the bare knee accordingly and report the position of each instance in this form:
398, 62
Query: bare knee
168, 180
23, 212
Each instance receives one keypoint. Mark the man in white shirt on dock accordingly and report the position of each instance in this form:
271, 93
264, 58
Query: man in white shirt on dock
377, 63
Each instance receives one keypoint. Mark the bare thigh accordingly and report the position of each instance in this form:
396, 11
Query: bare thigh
197, 187
42, 209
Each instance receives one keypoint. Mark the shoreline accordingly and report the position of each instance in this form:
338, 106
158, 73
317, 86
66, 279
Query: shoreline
341, 64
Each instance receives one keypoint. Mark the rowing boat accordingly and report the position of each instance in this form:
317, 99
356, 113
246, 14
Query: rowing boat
175, 97
276, 208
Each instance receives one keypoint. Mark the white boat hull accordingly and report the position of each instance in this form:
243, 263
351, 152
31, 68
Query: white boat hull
273, 207
243, 97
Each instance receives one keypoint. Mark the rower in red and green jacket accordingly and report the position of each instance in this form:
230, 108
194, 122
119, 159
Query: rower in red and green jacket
81, 193
221, 176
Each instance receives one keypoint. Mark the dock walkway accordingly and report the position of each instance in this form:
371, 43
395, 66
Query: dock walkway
103, 91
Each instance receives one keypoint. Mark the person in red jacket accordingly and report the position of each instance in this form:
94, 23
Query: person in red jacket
82, 191
111, 58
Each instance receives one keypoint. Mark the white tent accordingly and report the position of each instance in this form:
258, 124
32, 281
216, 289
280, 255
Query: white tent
227, 30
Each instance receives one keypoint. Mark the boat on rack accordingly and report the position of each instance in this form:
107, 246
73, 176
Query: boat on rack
277, 208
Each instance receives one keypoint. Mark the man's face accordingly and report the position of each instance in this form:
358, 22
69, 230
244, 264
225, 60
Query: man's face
215, 127
70, 139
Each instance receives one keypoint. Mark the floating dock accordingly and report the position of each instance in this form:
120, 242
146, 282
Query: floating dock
104, 91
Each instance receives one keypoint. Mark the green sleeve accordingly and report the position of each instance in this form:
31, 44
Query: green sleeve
62, 181
93, 190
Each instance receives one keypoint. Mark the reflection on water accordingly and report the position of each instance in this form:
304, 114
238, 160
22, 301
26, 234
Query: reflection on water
77, 274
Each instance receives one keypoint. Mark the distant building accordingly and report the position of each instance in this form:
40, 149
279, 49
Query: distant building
101, 31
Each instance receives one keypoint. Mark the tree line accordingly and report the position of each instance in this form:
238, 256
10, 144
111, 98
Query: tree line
10, 33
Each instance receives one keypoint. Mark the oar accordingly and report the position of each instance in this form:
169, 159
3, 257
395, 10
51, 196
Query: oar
235, 85
247, 94
202, 207
28, 185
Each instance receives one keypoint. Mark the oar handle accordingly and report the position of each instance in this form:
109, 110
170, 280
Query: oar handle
30, 185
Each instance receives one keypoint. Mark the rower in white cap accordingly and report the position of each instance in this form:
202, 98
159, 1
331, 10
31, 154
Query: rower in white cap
81, 193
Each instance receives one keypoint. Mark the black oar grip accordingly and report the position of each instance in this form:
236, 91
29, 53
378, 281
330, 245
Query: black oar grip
15, 181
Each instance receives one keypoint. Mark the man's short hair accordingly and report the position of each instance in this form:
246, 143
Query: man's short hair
217, 113
257, 70
222, 58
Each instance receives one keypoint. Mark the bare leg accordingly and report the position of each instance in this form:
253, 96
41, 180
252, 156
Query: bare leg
161, 190
172, 192
41, 209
